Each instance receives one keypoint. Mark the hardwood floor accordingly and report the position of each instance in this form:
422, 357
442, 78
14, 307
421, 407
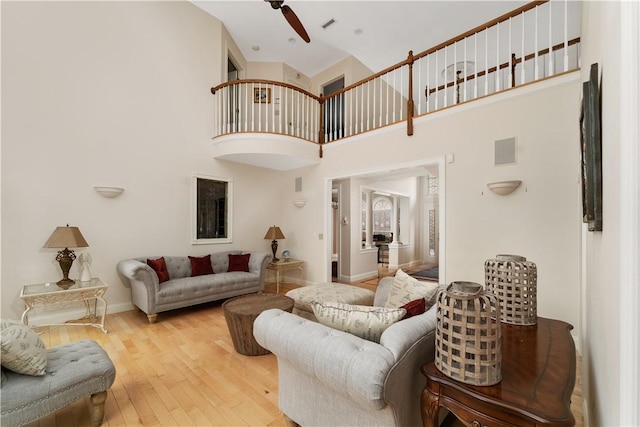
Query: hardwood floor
184, 371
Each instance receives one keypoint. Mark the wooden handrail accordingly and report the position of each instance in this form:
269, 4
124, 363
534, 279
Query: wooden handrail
462, 36
484, 26
263, 82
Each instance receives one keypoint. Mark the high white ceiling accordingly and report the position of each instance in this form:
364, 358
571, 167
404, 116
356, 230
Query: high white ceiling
387, 29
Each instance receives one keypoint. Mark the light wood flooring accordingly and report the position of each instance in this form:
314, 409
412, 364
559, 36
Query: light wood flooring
184, 371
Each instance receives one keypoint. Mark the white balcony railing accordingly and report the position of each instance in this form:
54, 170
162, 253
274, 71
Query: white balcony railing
534, 42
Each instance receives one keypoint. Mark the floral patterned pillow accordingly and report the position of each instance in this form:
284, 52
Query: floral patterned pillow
406, 289
22, 349
360, 320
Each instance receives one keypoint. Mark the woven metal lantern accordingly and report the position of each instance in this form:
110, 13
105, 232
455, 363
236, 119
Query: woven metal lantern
468, 334
514, 281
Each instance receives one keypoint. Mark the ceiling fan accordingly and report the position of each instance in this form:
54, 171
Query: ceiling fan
291, 18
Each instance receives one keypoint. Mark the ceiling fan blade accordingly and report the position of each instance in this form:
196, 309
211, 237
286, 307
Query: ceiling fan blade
295, 23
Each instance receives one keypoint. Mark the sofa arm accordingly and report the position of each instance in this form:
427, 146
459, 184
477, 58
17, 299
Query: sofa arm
343, 362
258, 263
143, 281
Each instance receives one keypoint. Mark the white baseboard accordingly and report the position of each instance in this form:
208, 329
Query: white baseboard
360, 277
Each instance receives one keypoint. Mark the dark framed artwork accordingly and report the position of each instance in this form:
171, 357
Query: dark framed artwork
591, 149
212, 202
262, 95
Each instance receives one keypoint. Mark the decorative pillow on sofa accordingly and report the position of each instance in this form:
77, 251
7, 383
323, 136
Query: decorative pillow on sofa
415, 307
160, 267
239, 262
406, 289
22, 349
360, 320
201, 265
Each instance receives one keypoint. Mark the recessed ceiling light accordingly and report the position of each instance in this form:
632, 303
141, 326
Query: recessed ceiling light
255, 48
357, 31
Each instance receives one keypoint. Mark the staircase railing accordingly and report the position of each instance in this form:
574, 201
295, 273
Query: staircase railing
534, 42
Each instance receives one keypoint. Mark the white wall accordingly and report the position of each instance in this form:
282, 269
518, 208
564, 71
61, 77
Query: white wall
610, 357
112, 93
541, 220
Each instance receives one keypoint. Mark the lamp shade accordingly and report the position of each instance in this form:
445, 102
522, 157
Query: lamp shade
274, 233
66, 237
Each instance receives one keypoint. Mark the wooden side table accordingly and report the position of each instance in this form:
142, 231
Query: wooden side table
538, 375
284, 265
89, 292
240, 312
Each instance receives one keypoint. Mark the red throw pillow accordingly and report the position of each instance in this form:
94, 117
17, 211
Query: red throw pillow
239, 262
160, 267
201, 265
415, 307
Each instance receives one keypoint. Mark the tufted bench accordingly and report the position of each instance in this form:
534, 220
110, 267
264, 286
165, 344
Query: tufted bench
327, 292
74, 371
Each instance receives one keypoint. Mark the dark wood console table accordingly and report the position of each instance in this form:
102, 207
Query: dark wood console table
538, 375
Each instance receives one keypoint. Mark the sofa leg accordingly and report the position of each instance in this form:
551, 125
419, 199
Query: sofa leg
289, 422
152, 318
97, 408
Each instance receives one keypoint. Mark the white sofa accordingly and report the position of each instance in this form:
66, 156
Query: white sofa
182, 290
332, 378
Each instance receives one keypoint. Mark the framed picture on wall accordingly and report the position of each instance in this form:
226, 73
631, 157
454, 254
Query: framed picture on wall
591, 149
212, 215
262, 95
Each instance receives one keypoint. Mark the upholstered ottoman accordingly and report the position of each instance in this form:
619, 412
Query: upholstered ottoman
327, 292
73, 371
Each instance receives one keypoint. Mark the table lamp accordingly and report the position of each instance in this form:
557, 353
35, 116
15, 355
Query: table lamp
274, 233
66, 237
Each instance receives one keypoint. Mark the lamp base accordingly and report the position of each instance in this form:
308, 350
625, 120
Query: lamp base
65, 283
274, 248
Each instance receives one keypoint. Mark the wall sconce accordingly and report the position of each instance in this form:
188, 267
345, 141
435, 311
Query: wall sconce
504, 187
109, 192
299, 203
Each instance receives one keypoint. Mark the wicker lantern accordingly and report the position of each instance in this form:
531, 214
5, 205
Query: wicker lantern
468, 334
513, 280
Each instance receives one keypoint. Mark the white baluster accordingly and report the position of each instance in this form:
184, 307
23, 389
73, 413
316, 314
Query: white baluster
566, 39
522, 71
426, 90
380, 82
486, 61
445, 77
510, 73
497, 88
436, 87
464, 87
475, 68
551, 60
535, 44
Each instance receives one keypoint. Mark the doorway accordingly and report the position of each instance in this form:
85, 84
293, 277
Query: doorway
333, 110
233, 73
357, 260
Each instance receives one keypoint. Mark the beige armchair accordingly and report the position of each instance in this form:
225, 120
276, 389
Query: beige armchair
332, 378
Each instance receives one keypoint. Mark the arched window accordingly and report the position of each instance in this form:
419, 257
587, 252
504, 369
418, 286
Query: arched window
381, 217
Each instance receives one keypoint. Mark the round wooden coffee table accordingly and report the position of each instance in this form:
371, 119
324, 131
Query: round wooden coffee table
240, 312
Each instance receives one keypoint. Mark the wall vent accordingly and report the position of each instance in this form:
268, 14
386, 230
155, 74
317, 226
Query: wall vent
505, 152
328, 23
